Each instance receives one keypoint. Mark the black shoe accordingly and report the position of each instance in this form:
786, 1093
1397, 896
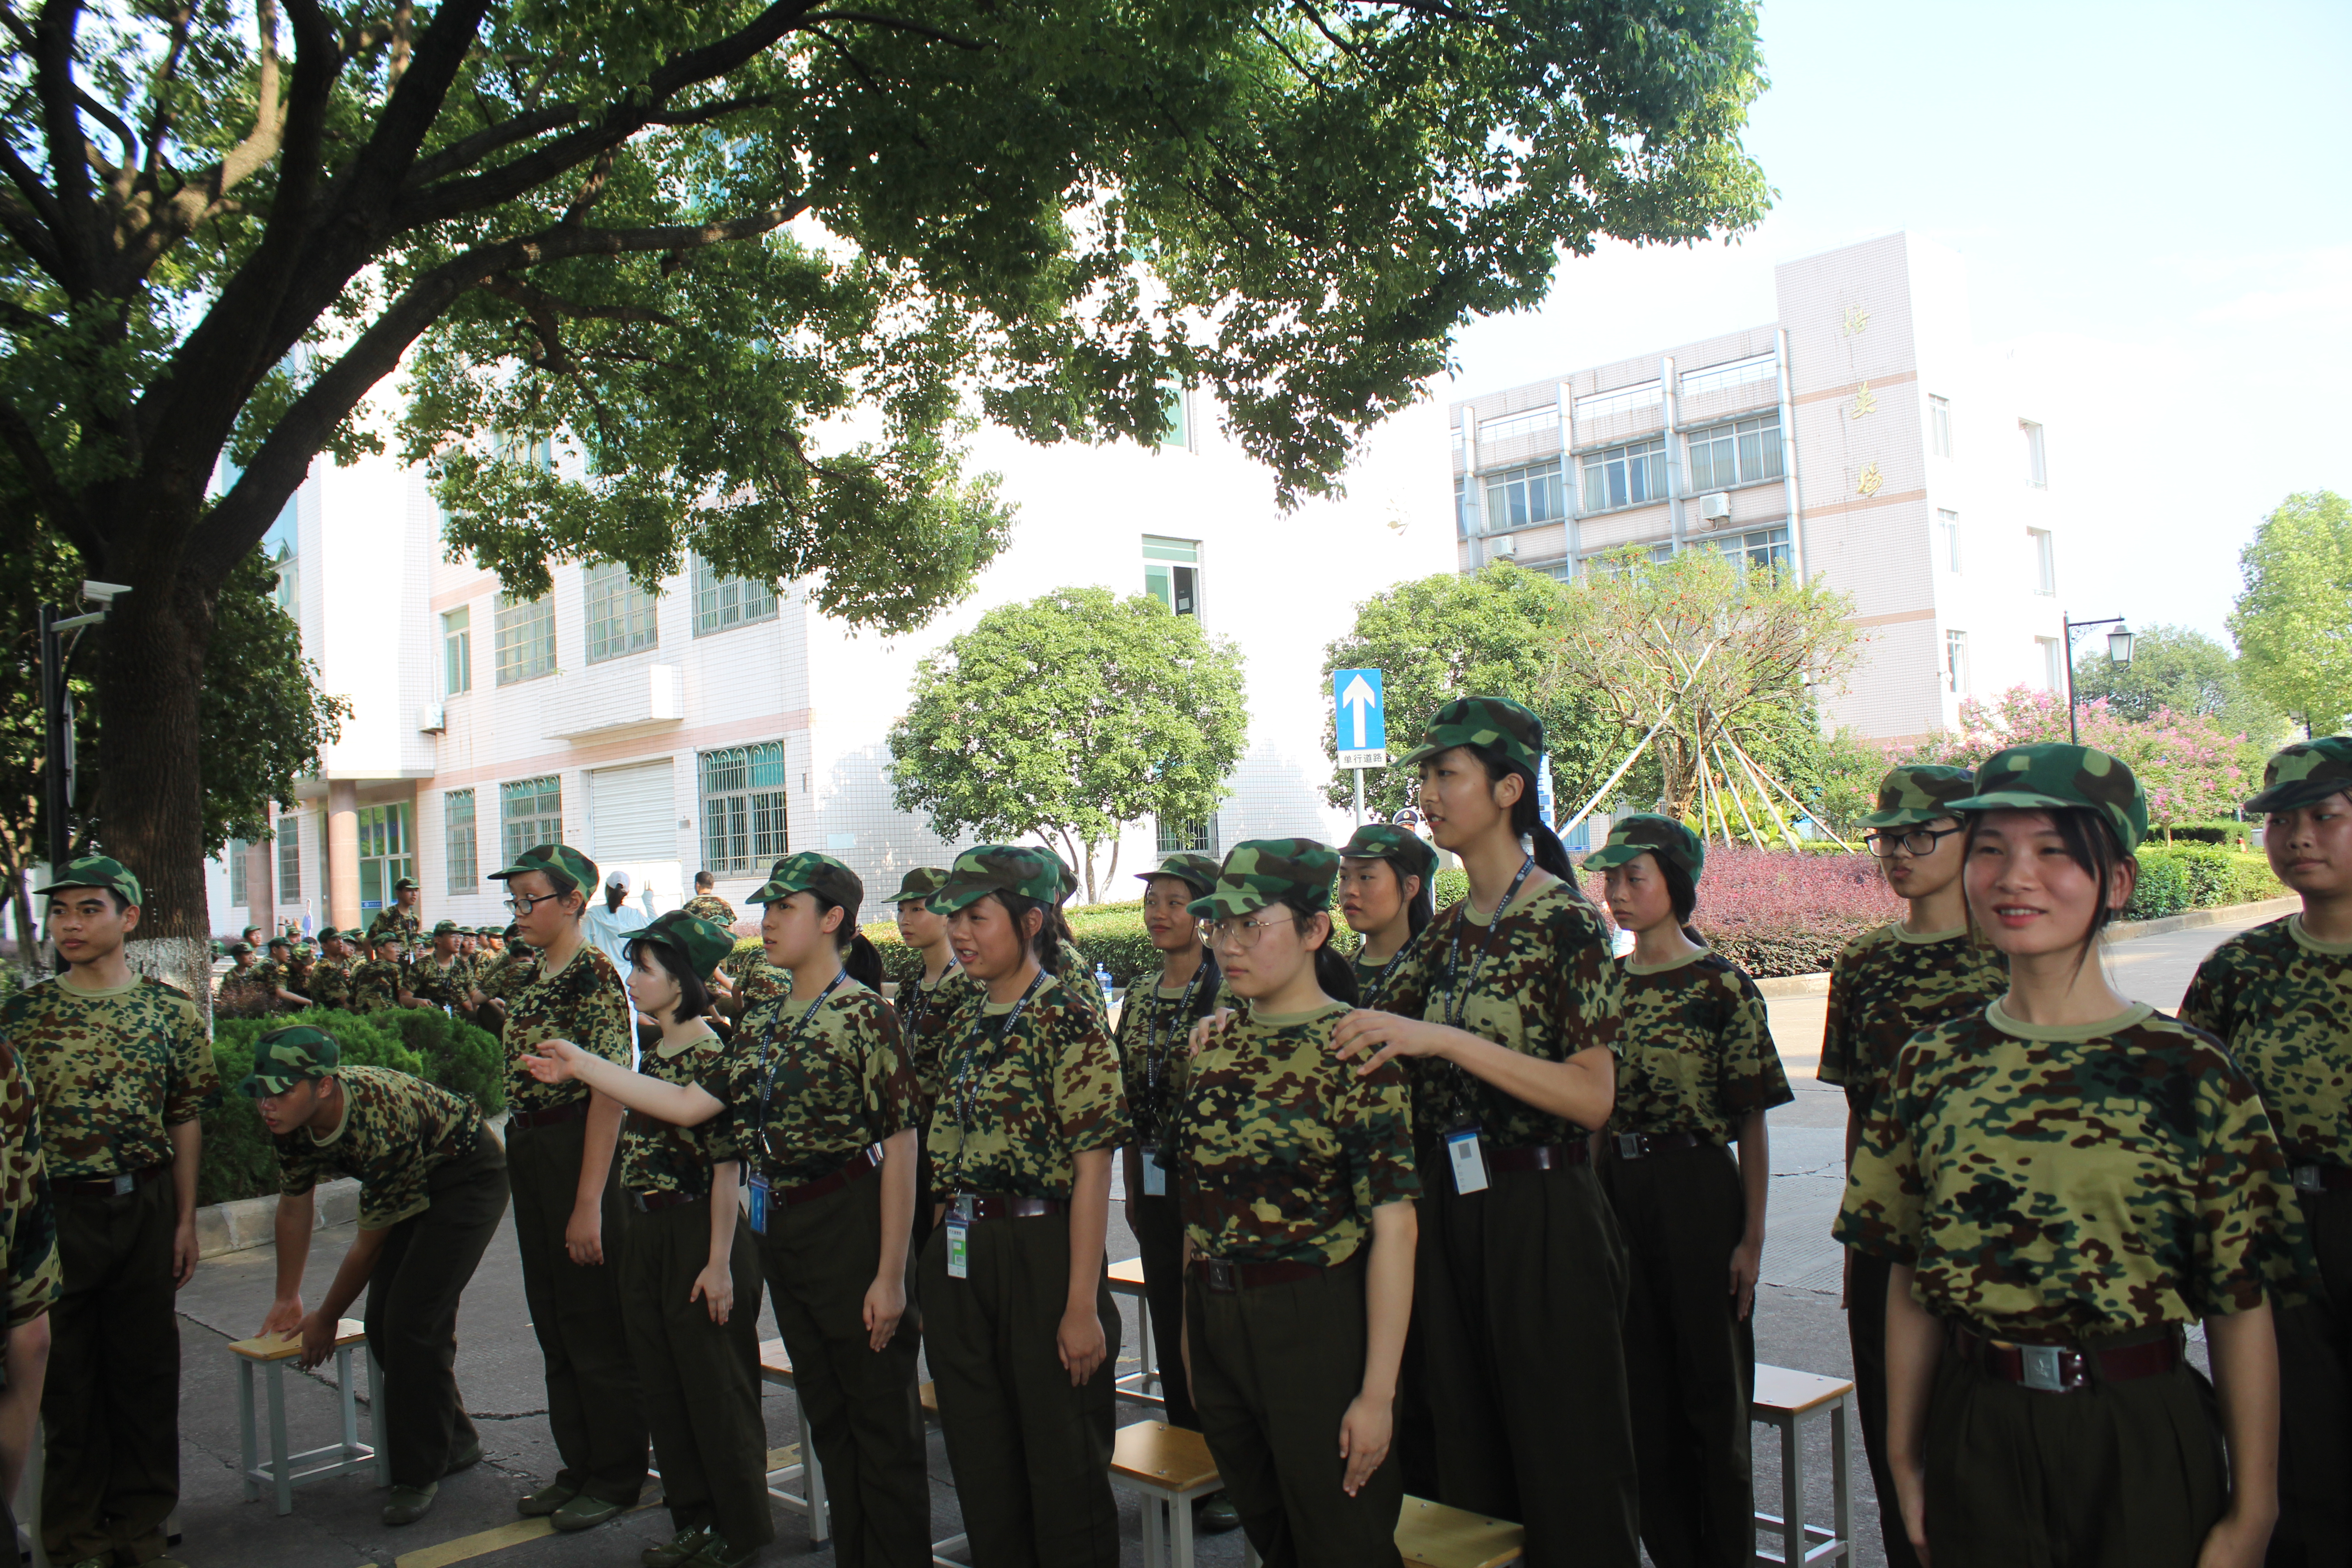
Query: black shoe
1215, 1514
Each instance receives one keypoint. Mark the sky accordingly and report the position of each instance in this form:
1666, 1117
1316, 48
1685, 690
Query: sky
2152, 203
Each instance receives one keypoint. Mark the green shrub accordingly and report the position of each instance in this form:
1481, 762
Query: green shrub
2176, 877
459, 1055
2220, 832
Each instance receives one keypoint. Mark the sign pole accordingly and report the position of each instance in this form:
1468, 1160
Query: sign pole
1360, 797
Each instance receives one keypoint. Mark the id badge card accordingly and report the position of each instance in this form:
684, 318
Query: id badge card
758, 1189
1468, 1158
959, 1253
1155, 1180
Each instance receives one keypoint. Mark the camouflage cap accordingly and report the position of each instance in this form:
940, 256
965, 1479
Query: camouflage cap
391, 936
565, 866
1261, 871
1197, 872
405, 885
96, 871
513, 932
1399, 846
704, 942
239, 948
1919, 791
809, 872
2305, 774
447, 928
1647, 833
2051, 776
920, 883
1495, 721
284, 1057
287, 942
1023, 870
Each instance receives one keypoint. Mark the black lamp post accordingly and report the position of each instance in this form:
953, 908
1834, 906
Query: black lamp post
2119, 652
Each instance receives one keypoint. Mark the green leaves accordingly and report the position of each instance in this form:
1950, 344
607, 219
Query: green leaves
2293, 621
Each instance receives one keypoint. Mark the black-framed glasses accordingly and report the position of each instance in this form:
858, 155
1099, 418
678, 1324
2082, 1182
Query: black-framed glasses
523, 903
1912, 841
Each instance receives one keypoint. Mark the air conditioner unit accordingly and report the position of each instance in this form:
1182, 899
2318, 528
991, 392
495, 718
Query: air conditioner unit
432, 718
1502, 546
1715, 507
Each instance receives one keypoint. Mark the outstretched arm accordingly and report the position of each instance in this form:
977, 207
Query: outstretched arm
687, 1105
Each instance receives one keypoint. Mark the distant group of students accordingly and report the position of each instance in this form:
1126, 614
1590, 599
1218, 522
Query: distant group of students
392, 963
1458, 1215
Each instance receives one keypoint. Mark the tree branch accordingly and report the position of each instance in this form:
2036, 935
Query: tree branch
467, 151
896, 24
77, 227
41, 477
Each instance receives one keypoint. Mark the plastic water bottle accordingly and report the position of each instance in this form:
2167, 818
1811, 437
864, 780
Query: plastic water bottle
1102, 978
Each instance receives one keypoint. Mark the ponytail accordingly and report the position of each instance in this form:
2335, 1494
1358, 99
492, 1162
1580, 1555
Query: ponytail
1204, 995
862, 961
1527, 823
1421, 908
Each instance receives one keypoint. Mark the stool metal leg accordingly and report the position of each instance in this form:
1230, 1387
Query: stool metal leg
375, 1420
348, 1403
1180, 1521
1841, 1502
249, 1447
1155, 1531
813, 1478
1792, 1495
1150, 1356
280, 1470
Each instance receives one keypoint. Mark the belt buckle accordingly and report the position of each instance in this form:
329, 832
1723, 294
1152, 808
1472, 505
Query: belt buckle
123, 1184
2043, 1368
1629, 1145
960, 1206
1217, 1273
2307, 1179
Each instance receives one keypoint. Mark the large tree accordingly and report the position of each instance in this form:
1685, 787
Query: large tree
2293, 619
758, 261
2182, 669
1069, 717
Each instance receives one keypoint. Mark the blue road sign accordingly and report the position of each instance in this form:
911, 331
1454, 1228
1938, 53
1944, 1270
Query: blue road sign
1363, 724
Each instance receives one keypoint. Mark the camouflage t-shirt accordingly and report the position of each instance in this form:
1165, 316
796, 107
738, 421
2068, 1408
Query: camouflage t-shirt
242, 996
1548, 988
1018, 1107
1372, 979
1887, 986
1077, 977
841, 1084
931, 1020
429, 981
712, 908
110, 1070
269, 975
507, 973
659, 1156
761, 982
582, 1003
1698, 1054
331, 984
1282, 1151
2057, 1184
411, 926
29, 1224
396, 1131
1155, 1027
376, 987
2282, 1001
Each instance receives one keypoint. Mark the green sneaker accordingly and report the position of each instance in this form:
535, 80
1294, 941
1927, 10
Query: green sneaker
716, 1554
545, 1500
1215, 1514
409, 1504
584, 1512
678, 1549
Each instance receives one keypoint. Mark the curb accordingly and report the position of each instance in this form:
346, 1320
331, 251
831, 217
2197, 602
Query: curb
251, 1222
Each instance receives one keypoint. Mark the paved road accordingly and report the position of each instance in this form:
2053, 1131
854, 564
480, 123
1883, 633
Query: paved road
334, 1525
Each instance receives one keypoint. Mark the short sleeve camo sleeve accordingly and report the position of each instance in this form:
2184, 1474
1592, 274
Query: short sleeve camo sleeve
1020, 1104
2280, 1000
583, 1003
111, 1071
1887, 986
28, 1230
397, 1130
1699, 1054
660, 1156
840, 1084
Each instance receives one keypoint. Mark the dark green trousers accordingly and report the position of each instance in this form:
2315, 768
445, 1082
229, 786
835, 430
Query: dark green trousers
412, 1312
111, 1404
1690, 1358
1031, 1454
699, 1380
2315, 1341
1866, 1329
1520, 1290
1275, 1369
1160, 1238
860, 1409
2119, 1475
593, 1405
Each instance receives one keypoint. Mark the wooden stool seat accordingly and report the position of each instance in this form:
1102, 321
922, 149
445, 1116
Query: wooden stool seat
1432, 1535
1126, 1278
775, 1363
1170, 1467
930, 1395
273, 1353
794, 1462
1789, 1392
1785, 1400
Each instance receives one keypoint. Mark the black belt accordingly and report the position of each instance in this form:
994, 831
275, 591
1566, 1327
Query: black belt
972, 1206
1542, 1157
2064, 1369
1641, 1145
654, 1202
1227, 1278
108, 1187
865, 1160
553, 1116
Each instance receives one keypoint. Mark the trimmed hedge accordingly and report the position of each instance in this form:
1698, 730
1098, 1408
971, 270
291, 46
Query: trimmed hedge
2176, 877
2239, 835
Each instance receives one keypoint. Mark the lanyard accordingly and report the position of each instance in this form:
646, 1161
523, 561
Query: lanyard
965, 1087
1457, 990
1154, 1059
1380, 981
773, 1055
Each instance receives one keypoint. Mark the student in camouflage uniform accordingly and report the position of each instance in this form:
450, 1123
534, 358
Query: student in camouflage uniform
433, 1186
690, 1266
28, 1263
927, 1008
1023, 1337
2064, 1181
330, 976
275, 972
2280, 997
707, 905
561, 1142
1698, 1071
444, 977
1508, 1005
299, 963
1069, 965
1296, 1179
1388, 884
399, 917
377, 984
121, 1070
243, 993
1927, 969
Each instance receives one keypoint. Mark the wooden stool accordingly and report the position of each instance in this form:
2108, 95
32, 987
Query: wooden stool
282, 1468
776, 1372
1432, 1535
1784, 1400
1127, 1279
1170, 1467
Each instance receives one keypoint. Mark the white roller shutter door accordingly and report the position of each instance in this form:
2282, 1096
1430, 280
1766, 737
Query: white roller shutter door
631, 814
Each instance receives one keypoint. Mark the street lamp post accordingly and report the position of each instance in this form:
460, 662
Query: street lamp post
2119, 652
57, 714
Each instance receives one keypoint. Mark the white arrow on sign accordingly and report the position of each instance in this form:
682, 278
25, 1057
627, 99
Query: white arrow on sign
1358, 696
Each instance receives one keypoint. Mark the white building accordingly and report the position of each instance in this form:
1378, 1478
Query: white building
1861, 436
716, 725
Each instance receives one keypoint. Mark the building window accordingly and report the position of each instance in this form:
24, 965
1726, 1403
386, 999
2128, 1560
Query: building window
1625, 476
1613, 563
1955, 662
236, 888
1454, 431
1939, 425
458, 652
1758, 550
289, 859
723, 602
1176, 417
620, 614
281, 547
2054, 674
2045, 560
1544, 421
1518, 497
1947, 540
743, 823
1172, 572
1738, 454
2037, 468
1738, 372
1199, 836
387, 851
525, 638
458, 825
530, 813
1624, 400
1461, 509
